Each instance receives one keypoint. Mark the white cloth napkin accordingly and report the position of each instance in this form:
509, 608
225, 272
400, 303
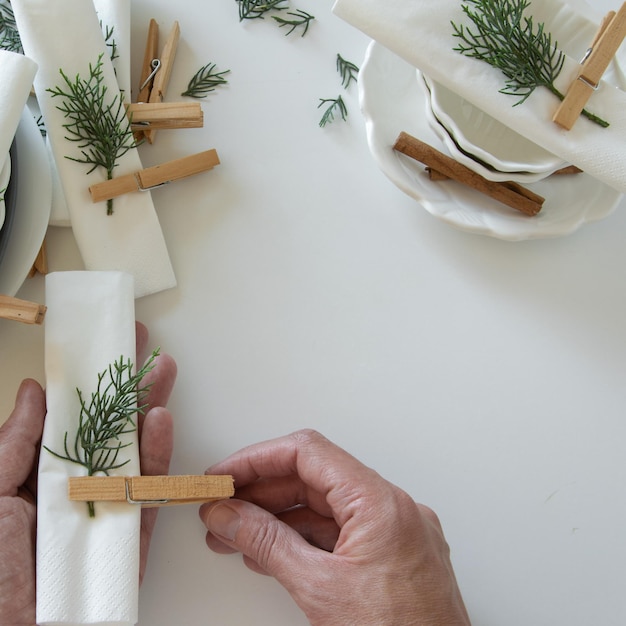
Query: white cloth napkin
87, 568
16, 78
115, 15
66, 34
420, 32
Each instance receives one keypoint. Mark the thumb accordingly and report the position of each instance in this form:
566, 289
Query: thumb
273, 546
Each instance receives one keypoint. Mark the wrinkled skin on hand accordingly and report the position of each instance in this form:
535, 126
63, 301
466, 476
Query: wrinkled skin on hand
20, 438
350, 547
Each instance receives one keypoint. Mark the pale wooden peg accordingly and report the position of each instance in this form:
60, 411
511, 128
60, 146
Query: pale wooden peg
155, 176
21, 310
150, 54
606, 42
151, 490
162, 77
147, 115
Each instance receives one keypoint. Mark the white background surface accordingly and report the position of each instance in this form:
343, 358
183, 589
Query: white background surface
484, 377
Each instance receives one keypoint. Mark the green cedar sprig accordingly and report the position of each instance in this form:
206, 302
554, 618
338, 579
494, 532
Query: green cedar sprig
335, 105
98, 125
106, 418
347, 70
257, 9
205, 80
507, 39
300, 18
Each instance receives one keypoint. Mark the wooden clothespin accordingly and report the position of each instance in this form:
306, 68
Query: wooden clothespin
597, 58
148, 116
21, 310
151, 491
41, 261
155, 176
157, 69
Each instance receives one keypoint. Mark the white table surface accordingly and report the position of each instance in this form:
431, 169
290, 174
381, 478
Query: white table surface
487, 378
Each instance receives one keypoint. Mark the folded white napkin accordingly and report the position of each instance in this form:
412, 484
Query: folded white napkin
16, 79
87, 568
114, 16
420, 32
66, 34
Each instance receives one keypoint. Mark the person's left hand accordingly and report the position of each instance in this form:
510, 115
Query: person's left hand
20, 438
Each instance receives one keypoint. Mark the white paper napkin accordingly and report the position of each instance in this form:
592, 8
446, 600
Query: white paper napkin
113, 15
87, 568
66, 34
420, 32
16, 79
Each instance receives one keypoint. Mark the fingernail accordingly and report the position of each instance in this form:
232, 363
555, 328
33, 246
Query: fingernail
224, 521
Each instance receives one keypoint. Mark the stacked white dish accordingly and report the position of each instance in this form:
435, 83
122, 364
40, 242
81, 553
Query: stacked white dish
481, 143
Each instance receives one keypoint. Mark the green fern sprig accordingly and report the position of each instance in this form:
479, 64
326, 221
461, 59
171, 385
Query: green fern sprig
106, 418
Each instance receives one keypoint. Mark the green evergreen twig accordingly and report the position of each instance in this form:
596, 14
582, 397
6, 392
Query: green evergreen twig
347, 70
106, 418
334, 105
507, 39
101, 129
204, 81
257, 9
301, 18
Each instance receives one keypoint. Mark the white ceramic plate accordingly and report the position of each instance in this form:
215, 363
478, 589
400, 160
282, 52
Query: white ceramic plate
469, 157
392, 100
34, 192
5, 177
488, 140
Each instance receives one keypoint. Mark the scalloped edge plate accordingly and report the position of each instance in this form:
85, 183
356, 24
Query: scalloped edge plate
32, 212
392, 100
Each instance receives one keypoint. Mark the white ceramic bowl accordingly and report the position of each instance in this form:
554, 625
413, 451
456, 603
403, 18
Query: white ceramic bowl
485, 140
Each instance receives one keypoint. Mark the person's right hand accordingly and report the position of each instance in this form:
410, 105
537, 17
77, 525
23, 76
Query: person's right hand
350, 547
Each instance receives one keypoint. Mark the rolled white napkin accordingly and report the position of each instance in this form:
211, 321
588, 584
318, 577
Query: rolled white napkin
16, 79
87, 568
66, 34
113, 15
420, 32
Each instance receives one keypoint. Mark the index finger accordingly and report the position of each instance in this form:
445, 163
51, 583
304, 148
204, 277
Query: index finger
319, 463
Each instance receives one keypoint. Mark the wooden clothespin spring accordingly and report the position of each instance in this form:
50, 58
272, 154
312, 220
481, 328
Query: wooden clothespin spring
151, 491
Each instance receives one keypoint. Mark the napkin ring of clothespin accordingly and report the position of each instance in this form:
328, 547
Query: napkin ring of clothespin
155, 176
151, 491
146, 116
607, 40
156, 70
20, 310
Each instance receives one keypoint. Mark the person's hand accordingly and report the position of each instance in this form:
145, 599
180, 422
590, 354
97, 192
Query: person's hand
20, 438
350, 547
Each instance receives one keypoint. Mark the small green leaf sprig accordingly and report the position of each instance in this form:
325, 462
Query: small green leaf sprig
507, 39
348, 72
298, 19
259, 9
204, 81
106, 418
101, 129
